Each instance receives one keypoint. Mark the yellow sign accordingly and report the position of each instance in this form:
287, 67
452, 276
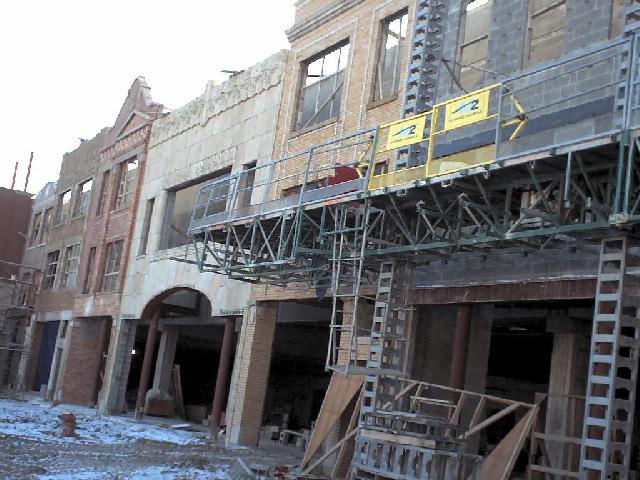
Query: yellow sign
466, 110
407, 132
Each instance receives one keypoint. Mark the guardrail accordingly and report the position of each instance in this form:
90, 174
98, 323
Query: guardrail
582, 97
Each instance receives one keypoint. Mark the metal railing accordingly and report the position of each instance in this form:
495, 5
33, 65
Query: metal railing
325, 171
583, 97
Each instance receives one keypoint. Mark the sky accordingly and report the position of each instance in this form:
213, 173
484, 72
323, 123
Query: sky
66, 65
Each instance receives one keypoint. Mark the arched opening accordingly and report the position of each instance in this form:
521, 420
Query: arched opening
185, 358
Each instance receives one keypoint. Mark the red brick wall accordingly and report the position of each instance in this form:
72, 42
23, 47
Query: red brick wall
15, 210
82, 362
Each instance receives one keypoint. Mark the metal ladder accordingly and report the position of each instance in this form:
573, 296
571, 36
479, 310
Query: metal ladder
613, 371
422, 77
350, 224
389, 340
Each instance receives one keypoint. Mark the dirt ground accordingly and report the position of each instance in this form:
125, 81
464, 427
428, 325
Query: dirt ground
116, 447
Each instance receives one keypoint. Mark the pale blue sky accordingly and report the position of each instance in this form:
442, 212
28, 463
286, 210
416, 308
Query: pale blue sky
67, 65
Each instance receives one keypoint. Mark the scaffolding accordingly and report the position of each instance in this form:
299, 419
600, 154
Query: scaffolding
18, 288
546, 158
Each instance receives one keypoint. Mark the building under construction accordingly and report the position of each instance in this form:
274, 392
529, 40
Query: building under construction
458, 183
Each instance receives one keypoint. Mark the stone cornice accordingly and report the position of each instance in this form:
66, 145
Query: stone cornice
323, 16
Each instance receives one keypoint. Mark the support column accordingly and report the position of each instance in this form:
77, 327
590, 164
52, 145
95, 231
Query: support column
251, 374
223, 375
567, 384
460, 343
146, 363
158, 399
112, 397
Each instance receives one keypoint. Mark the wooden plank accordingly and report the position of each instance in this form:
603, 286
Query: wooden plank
345, 455
339, 394
398, 439
478, 411
557, 438
554, 471
493, 418
330, 451
499, 464
401, 393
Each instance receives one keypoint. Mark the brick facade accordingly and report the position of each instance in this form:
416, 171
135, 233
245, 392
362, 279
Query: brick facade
251, 374
107, 223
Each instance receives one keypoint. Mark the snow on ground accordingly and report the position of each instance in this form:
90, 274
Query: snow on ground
35, 420
116, 447
146, 473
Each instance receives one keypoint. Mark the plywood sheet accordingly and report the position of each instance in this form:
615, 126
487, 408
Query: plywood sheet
341, 391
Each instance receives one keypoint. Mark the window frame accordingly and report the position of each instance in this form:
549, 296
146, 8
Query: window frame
381, 52
531, 17
64, 210
50, 270
81, 202
126, 186
66, 272
304, 74
464, 43
111, 271
36, 228
47, 220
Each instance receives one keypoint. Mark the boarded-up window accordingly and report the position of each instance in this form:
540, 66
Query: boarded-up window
546, 30
392, 46
81, 206
126, 186
35, 229
70, 267
50, 269
322, 85
64, 206
474, 44
86, 285
112, 266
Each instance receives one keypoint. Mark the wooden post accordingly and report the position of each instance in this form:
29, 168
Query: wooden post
146, 363
222, 377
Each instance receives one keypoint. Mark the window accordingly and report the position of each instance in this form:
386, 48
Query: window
35, 229
70, 267
246, 187
545, 30
392, 42
126, 186
146, 225
180, 207
102, 198
46, 223
51, 269
86, 285
474, 43
322, 82
81, 206
64, 206
112, 266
